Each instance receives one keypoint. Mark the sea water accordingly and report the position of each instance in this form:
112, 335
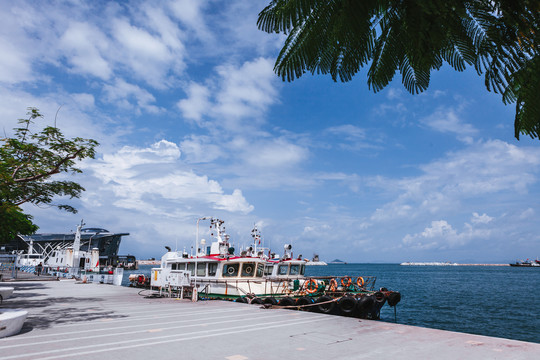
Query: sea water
500, 301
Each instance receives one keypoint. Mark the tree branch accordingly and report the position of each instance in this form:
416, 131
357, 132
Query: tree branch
54, 170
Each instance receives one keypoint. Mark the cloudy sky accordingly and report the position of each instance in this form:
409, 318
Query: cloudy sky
193, 122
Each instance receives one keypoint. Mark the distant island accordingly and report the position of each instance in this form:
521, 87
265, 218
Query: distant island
337, 261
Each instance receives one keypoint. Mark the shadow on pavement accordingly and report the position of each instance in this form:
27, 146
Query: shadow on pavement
45, 311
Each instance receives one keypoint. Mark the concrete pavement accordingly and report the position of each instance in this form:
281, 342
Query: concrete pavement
70, 320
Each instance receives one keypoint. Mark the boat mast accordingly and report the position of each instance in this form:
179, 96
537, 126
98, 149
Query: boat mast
77, 245
197, 238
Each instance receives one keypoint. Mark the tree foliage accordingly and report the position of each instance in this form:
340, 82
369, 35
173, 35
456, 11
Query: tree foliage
499, 38
13, 221
28, 160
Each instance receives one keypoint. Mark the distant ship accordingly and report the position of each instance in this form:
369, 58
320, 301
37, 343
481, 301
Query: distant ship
526, 263
315, 261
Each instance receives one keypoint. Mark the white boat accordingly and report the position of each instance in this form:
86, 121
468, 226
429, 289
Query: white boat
71, 257
28, 261
216, 271
258, 276
73, 262
315, 261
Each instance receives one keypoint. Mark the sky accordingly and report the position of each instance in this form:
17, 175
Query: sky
193, 122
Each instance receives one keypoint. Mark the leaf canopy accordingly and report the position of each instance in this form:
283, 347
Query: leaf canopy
28, 160
499, 38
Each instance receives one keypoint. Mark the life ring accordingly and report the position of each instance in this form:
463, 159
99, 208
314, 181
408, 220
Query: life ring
230, 270
360, 281
311, 286
346, 281
141, 279
333, 285
248, 269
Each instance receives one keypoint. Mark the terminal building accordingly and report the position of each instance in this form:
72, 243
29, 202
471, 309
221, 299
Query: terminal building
45, 244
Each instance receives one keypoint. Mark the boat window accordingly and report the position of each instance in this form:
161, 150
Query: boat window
282, 269
302, 269
173, 266
248, 269
201, 269
230, 270
260, 270
268, 269
191, 268
212, 268
294, 269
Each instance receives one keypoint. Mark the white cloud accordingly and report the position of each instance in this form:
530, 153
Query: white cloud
441, 235
481, 219
190, 14
447, 121
348, 131
238, 98
129, 96
197, 104
527, 214
154, 180
85, 101
15, 64
246, 91
350, 138
277, 153
200, 149
146, 56
84, 45
492, 167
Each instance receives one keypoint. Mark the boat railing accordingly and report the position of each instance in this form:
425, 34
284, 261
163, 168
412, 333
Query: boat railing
287, 286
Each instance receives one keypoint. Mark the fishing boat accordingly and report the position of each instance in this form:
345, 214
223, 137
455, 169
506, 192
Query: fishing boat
526, 263
258, 276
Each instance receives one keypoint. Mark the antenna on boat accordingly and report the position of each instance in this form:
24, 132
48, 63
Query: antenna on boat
197, 238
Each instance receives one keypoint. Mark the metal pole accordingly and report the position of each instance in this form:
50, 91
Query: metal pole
195, 264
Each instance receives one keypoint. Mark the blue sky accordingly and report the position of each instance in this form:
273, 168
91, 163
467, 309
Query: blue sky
193, 122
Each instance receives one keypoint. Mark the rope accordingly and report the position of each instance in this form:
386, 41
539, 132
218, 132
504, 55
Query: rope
298, 307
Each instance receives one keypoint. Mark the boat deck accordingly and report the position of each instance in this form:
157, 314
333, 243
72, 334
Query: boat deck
69, 320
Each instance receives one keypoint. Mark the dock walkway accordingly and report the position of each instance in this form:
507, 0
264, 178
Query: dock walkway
70, 320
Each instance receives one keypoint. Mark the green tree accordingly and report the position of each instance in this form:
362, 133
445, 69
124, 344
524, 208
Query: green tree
499, 38
28, 160
13, 221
